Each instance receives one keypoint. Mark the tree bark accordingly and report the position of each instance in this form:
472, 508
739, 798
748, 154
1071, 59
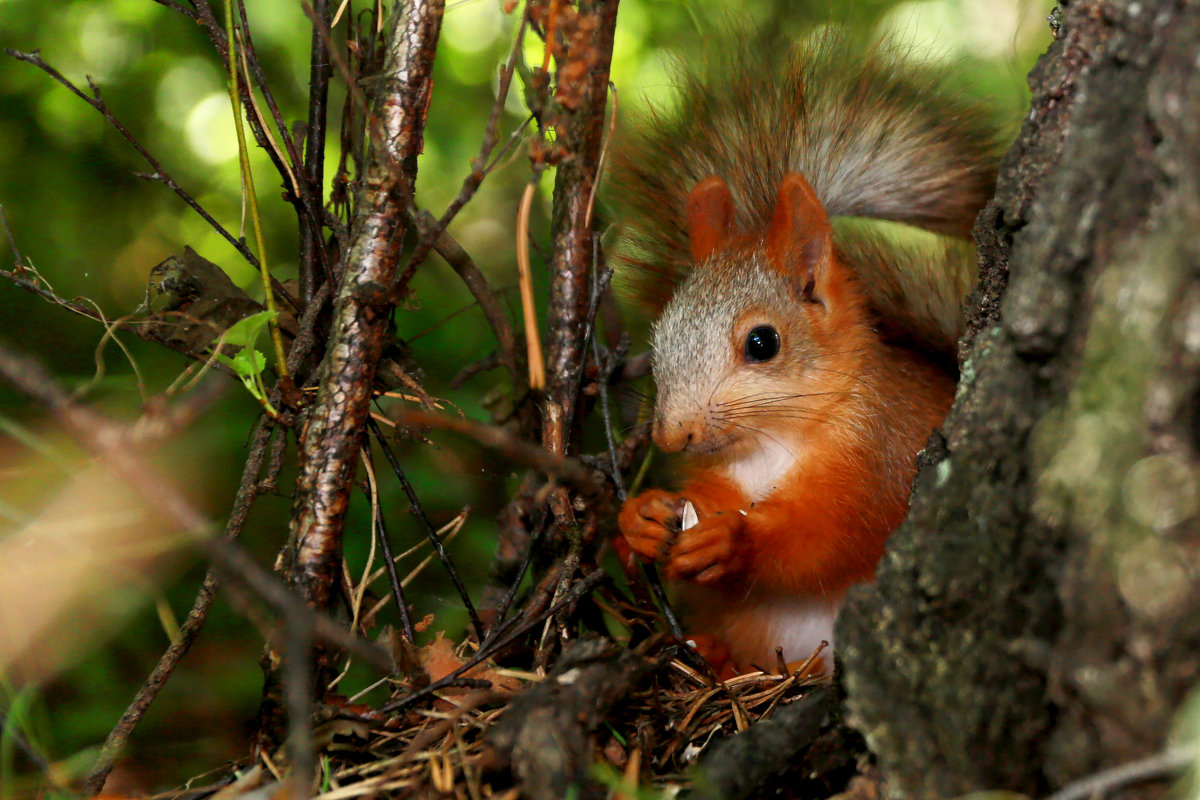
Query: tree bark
1037, 616
334, 427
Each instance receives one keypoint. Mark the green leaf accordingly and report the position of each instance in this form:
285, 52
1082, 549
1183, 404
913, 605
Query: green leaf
244, 332
248, 362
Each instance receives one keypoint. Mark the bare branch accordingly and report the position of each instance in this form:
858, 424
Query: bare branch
389, 560
187, 12
565, 468
334, 432
190, 629
479, 166
571, 254
218, 37
530, 621
419, 512
311, 246
159, 174
487, 297
111, 442
1167, 764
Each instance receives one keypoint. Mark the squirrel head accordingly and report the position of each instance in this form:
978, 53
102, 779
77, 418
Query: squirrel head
765, 336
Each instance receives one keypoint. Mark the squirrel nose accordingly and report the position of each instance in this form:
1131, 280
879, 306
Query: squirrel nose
674, 436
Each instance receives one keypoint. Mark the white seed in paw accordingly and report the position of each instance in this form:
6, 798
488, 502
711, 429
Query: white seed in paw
688, 517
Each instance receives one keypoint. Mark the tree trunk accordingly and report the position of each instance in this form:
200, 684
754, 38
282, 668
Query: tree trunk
1037, 616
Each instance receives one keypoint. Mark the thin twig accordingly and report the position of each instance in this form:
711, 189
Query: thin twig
298, 691
18, 279
498, 625
159, 174
290, 183
477, 367
533, 340
252, 197
305, 198
110, 442
220, 41
114, 744
356, 96
479, 166
567, 469
311, 246
488, 298
306, 341
612, 126
664, 602
581, 587
390, 563
39, 286
419, 512
161, 423
18, 260
11, 731
237, 562
187, 12
251, 56
1159, 766
604, 368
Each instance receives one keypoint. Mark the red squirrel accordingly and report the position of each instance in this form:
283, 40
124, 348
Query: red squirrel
800, 365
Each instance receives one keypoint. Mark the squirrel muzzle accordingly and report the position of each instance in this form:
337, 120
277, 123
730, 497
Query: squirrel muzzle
672, 436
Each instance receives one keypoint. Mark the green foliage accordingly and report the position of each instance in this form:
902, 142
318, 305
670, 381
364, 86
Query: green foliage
248, 362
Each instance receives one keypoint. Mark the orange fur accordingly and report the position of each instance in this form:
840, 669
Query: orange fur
844, 455
822, 530
798, 369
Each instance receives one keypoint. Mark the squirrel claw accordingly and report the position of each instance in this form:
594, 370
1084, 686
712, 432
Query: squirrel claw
649, 523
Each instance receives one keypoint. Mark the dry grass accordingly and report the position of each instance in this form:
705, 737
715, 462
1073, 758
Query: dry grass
651, 737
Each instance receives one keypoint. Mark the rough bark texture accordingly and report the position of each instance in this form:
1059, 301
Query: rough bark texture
1037, 616
546, 732
335, 425
738, 766
588, 43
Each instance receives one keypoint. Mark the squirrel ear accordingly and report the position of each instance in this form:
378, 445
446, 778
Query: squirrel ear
800, 239
709, 216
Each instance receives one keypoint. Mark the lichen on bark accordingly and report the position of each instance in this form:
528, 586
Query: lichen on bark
1036, 617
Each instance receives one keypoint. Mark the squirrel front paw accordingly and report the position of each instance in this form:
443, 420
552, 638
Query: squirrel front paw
650, 523
710, 552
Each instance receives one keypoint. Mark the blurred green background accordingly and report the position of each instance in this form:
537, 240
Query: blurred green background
93, 229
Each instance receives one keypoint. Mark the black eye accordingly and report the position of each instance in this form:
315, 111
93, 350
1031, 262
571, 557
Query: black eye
762, 343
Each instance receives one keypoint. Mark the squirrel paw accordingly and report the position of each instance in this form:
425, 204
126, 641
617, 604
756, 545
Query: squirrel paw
710, 552
650, 523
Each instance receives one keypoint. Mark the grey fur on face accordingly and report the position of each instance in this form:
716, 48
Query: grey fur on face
694, 354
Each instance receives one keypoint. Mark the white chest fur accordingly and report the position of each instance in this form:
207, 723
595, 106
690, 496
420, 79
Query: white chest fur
760, 471
800, 624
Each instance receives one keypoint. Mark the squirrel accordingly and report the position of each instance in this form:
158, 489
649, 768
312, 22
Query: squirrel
801, 360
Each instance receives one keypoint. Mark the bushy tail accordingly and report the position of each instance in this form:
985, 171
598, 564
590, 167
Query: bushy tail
875, 136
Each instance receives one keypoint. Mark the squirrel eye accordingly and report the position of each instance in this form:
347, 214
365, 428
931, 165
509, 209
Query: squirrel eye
762, 343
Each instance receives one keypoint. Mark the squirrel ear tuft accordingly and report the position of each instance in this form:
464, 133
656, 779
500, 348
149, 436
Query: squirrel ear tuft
800, 238
709, 216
